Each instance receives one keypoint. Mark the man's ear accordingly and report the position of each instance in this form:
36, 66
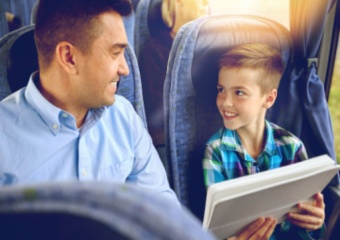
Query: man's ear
66, 55
270, 98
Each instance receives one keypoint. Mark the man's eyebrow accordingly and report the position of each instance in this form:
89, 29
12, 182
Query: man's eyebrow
119, 45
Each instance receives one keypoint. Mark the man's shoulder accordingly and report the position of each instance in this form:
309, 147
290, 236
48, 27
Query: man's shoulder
12, 105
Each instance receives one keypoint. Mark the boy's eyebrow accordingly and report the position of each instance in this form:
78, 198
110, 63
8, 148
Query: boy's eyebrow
234, 87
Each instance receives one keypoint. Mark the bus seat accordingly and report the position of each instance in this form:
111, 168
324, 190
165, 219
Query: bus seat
18, 59
141, 31
135, 4
3, 21
333, 223
191, 115
20, 8
129, 22
93, 210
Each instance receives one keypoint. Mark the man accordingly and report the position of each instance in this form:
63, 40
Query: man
67, 124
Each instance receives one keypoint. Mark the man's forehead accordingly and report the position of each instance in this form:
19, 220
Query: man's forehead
113, 29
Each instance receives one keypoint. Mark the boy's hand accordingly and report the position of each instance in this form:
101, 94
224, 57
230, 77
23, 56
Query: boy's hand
311, 215
262, 229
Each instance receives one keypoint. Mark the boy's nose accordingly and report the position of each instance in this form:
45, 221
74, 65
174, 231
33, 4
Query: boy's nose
228, 102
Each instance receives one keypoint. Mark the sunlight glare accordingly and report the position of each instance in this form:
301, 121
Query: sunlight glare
276, 10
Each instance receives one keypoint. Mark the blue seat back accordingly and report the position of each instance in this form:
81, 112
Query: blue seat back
135, 4
20, 8
3, 21
191, 115
18, 59
141, 32
333, 223
93, 210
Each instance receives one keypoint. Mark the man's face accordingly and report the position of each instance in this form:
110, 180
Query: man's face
101, 67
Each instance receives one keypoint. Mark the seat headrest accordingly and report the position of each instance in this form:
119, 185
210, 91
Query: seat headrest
155, 21
22, 61
219, 34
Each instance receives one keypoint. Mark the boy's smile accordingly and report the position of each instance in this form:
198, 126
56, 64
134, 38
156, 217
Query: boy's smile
229, 115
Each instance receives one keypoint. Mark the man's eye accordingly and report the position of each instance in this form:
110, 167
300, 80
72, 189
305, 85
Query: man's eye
116, 53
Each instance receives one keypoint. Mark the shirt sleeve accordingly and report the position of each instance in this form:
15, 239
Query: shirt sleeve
148, 170
300, 154
212, 165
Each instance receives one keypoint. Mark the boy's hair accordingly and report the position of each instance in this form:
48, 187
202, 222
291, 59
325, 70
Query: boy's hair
73, 21
256, 56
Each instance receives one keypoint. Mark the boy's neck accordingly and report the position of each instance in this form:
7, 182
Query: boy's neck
253, 139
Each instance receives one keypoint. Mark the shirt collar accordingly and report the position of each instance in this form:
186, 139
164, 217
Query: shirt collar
232, 142
270, 146
52, 115
47, 111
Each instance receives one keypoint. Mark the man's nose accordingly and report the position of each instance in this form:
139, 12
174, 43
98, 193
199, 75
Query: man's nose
123, 67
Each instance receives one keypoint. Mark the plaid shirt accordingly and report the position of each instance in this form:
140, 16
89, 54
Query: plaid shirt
225, 158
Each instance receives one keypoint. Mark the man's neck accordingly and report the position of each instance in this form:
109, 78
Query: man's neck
59, 95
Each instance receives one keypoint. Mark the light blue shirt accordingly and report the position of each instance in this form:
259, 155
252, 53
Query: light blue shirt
40, 142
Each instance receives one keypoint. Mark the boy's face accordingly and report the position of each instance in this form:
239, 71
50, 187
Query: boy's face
240, 100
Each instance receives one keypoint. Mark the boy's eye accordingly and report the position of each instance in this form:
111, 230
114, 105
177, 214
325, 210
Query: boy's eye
239, 93
220, 89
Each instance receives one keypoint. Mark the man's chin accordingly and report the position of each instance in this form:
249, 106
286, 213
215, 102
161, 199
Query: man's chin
107, 103
112, 101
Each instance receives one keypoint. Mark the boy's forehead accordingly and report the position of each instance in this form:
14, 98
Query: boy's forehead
240, 75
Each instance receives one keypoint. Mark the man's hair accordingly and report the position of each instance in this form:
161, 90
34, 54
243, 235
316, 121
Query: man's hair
73, 21
256, 56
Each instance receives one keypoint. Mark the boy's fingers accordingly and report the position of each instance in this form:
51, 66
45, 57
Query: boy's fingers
306, 225
270, 230
251, 229
319, 202
310, 210
265, 229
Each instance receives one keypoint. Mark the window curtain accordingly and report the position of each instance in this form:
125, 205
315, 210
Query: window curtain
301, 105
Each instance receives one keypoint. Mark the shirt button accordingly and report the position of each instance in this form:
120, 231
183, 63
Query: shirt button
55, 126
65, 115
84, 172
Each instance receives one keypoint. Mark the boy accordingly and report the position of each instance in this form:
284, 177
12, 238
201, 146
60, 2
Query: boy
248, 79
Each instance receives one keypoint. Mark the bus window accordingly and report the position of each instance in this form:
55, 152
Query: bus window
276, 10
334, 101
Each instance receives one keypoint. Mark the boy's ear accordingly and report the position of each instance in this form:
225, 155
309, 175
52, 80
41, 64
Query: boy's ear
66, 55
270, 98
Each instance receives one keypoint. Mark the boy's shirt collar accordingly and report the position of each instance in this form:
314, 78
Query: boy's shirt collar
231, 142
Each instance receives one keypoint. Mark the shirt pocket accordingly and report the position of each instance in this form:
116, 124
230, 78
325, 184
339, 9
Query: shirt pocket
117, 172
